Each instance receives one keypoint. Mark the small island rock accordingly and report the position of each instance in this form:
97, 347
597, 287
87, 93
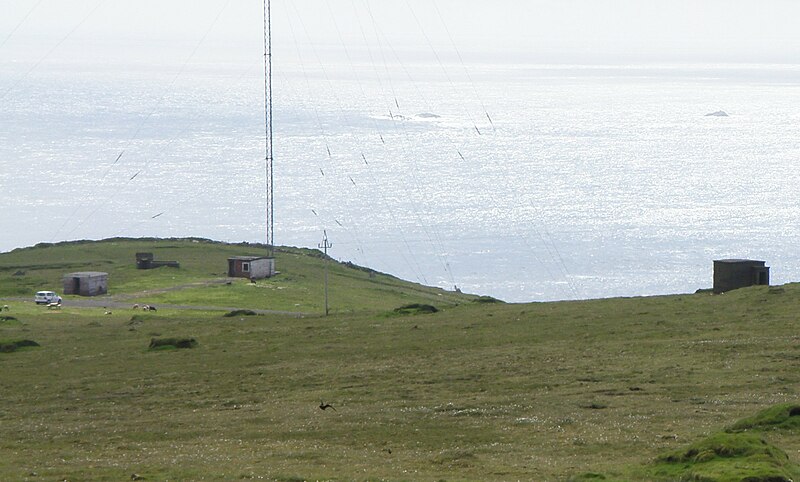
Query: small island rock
719, 113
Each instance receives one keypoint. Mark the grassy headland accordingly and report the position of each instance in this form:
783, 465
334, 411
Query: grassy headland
200, 280
617, 389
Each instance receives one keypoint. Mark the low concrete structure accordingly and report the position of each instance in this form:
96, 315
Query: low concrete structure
253, 267
86, 283
147, 261
730, 274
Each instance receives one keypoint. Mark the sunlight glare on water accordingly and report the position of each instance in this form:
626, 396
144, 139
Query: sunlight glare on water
593, 182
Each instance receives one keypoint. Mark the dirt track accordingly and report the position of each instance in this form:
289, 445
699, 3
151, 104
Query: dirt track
104, 302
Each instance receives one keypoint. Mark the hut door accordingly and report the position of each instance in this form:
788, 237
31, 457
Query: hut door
76, 286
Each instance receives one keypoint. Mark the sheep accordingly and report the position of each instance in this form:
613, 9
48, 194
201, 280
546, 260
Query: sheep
136, 306
54, 306
5, 307
149, 308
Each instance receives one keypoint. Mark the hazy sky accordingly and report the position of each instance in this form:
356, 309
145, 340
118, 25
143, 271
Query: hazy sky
588, 31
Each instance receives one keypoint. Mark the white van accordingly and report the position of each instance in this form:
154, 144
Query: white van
46, 297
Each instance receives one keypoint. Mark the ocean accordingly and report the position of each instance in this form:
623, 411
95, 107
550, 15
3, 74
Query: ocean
525, 182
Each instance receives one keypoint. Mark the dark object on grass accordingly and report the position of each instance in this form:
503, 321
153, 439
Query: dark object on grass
18, 272
486, 299
416, 309
160, 343
7, 318
324, 406
234, 313
588, 476
8, 347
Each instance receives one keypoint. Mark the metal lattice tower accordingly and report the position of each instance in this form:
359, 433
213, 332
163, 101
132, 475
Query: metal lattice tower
270, 208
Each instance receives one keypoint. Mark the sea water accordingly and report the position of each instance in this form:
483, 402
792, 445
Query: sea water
523, 182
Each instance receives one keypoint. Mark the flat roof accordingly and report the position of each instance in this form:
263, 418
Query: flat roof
738, 261
85, 274
249, 258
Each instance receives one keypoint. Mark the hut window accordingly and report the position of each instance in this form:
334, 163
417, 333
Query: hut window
246, 267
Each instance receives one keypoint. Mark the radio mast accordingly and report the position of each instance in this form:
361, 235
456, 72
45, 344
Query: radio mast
270, 215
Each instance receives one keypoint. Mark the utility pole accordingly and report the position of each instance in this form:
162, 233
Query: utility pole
324, 247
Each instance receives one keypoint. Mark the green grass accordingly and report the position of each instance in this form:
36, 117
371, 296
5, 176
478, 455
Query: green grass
785, 416
728, 457
201, 278
588, 390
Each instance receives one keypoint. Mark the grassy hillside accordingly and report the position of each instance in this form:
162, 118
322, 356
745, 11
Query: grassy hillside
299, 287
618, 389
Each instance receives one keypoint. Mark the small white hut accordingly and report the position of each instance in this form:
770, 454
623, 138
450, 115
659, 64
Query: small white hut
253, 267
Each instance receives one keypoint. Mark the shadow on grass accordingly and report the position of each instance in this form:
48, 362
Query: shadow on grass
235, 313
172, 343
416, 309
12, 346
